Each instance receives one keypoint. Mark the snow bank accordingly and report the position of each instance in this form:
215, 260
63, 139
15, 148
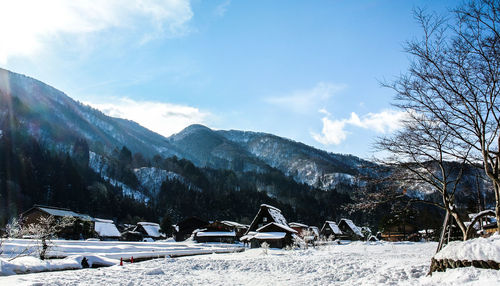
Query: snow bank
215, 233
475, 249
30, 264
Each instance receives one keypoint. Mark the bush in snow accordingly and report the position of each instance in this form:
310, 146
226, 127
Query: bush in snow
265, 247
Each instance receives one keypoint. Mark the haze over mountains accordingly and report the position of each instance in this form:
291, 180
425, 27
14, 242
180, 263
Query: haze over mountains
58, 121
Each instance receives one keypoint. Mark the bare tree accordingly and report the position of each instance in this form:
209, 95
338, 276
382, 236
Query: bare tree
46, 229
422, 157
454, 80
43, 232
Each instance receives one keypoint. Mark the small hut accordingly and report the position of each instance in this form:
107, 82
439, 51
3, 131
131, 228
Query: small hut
239, 228
82, 228
350, 230
185, 228
149, 230
302, 229
106, 229
330, 230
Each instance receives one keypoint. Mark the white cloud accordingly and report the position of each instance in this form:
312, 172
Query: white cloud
303, 101
221, 9
26, 26
163, 118
334, 131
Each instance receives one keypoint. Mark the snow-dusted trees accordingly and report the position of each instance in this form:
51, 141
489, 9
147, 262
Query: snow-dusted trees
42, 232
451, 89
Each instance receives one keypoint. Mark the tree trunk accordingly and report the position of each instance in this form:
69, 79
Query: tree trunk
460, 224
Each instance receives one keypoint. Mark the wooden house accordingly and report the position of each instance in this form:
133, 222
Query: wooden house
331, 231
130, 235
274, 234
302, 229
220, 231
82, 228
185, 228
149, 230
314, 232
399, 232
266, 215
350, 230
239, 228
269, 226
106, 229
490, 228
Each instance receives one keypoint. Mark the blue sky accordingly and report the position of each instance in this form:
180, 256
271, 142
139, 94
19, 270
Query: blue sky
305, 70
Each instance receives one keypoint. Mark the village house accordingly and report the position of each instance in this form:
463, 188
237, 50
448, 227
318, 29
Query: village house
314, 231
220, 231
400, 232
302, 229
106, 229
149, 230
350, 230
269, 226
275, 235
185, 228
265, 215
239, 228
82, 228
330, 230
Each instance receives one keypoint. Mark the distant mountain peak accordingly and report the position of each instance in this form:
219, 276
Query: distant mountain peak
58, 120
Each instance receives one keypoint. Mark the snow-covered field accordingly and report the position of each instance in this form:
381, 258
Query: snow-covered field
357, 263
114, 249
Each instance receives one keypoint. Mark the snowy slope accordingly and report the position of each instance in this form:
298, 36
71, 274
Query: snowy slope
151, 178
254, 151
58, 120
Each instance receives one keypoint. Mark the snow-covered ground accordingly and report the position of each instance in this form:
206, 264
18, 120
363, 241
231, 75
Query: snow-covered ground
357, 263
114, 249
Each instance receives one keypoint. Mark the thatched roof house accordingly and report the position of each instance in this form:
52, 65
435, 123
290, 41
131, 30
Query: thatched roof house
265, 215
106, 229
350, 230
274, 234
331, 230
149, 230
269, 226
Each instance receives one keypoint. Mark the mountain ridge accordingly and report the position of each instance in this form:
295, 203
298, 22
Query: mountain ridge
59, 120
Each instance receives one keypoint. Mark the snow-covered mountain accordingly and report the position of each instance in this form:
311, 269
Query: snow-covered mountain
58, 121
255, 151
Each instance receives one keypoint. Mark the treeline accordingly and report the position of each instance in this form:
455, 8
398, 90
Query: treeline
31, 174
